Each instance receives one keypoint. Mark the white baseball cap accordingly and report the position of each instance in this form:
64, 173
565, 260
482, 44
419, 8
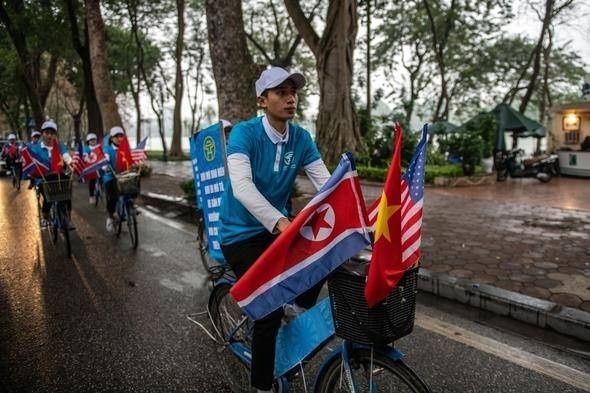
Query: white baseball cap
35, 133
91, 136
116, 130
49, 125
274, 76
11, 136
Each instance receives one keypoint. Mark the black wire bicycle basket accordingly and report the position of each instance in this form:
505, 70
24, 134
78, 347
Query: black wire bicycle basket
57, 190
128, 183
382, 324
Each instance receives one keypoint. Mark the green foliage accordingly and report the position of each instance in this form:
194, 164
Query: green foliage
158, 155
188, 187
378, 136
434, 156
123, 57
466, 145
486, 127
433, 171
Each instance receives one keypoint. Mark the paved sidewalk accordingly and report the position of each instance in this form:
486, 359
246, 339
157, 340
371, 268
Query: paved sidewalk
523, 236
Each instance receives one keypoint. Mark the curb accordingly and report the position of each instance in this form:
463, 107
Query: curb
537, 312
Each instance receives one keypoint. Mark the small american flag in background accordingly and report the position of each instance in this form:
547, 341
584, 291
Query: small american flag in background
138, 154
78, 163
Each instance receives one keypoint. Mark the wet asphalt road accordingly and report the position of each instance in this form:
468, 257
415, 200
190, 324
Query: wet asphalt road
111, 319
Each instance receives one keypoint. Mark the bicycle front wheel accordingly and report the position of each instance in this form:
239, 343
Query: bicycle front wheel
225, 315
132, 223
376, 373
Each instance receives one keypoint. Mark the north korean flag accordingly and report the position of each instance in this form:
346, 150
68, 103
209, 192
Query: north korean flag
327, 232
95, 160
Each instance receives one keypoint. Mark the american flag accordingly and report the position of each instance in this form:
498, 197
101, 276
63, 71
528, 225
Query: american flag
138, 154
412, 188
77, 162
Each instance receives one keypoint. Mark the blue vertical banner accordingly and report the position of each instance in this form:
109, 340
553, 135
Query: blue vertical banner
208, 156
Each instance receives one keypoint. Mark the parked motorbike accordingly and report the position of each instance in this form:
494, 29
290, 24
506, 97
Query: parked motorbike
511, 163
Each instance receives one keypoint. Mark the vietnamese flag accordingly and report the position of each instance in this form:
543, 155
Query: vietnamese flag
57, 163
386, 267
124, 159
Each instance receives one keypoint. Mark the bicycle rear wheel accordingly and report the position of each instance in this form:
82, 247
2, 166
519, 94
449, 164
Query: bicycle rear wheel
132, 223
202, 244
17, 175
121, 213
53, 222
225, 315
97, 193
64, 222
377, 373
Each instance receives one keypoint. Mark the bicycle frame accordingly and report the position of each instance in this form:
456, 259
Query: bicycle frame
344, 350
244, 354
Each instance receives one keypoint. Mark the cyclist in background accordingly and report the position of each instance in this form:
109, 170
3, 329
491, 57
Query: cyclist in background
44, 150
110, 147
264, 155
35, 137
91, 144
10, 151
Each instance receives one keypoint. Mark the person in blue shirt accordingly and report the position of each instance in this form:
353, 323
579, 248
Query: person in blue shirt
35, 137
110, 147
264, 155
43, 150
91, 144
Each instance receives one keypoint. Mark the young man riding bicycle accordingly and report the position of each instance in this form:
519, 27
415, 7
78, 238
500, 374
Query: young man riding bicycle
264, 156
44, 150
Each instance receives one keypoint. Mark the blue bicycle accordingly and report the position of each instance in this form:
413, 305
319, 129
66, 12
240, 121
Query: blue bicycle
364, 361
57, 191
128, 187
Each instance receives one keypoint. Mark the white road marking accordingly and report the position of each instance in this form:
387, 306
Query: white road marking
517, 356
186, 228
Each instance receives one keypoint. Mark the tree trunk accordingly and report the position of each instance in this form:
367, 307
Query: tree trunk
368, 54
337, 128
233, 67
176, 145
537, 57
100, 72
92, 110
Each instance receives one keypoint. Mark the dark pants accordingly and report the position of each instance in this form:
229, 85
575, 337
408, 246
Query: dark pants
241, 255
112, 195
91, 185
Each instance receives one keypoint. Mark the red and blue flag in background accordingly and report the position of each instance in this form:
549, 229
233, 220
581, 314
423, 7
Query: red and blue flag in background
328, 231
95, 160
33, 165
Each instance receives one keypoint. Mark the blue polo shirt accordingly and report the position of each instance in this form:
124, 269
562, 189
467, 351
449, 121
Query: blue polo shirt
274, 162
